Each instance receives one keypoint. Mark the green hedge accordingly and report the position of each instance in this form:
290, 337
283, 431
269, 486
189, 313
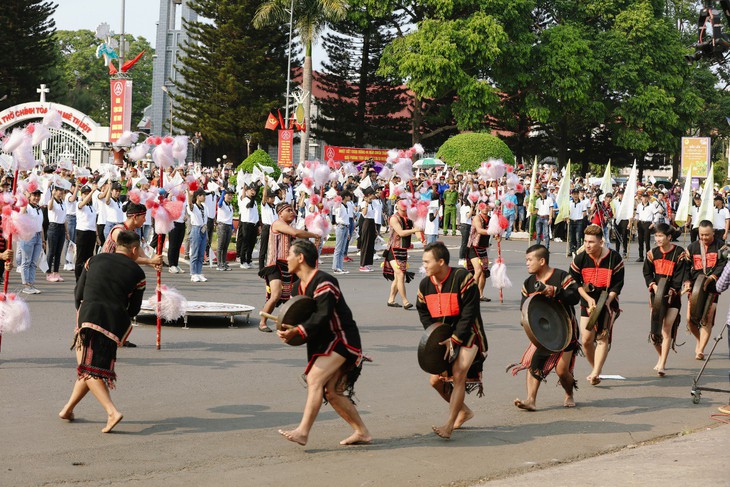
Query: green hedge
471, 149
260, 157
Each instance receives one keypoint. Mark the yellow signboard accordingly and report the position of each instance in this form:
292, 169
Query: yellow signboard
696, 154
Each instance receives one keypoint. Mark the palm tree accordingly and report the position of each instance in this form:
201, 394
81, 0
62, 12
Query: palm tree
310, 18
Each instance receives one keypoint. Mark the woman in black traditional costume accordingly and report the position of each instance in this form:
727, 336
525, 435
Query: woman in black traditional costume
596, 269
450, 296
539, 362
104, 307
669, 261
477, 257
276, 273
395, 266
334, 351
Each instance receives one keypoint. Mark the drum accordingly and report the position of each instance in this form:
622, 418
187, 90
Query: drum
291, 314
600, 304
700, 300
546, 323
430, 353
659, 304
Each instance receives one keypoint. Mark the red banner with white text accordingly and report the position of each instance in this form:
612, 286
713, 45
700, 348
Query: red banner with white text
121, 108
354, 154
286, 148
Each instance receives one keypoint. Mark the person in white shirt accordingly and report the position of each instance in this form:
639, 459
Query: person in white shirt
97, 198
377, 205
544, 210
342, 230
268, 216
30, 250
351, 216
721, 219
367, 231
113, 208
645, 212
85, 228
247, 226
211, 201
198, 233
224, 217
433, 222
694, 215
466, 212
56, 234
578, 209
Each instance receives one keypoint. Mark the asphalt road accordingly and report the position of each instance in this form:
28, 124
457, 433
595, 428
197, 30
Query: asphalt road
205, 409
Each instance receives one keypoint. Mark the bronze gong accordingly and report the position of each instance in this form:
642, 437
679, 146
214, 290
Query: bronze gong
430, 353
600, 304
546, 323
293, 313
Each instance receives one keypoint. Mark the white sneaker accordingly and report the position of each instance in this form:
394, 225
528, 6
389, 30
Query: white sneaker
243, 266
194, 278
174, 269
246, 266
30, 290
202, 278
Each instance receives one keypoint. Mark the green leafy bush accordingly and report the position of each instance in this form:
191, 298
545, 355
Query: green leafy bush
260, 157
469, 150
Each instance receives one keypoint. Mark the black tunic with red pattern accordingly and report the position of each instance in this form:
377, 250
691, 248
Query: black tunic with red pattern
331, 327
673, 265
605, 274
539, 361
711, 265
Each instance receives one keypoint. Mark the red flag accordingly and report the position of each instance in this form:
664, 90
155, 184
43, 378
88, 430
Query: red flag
126, 66
271, 122
281, 120
112, 68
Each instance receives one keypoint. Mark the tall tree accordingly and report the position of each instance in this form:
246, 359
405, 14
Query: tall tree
232, 75
29, 55
86, 79
310, 17
361, 107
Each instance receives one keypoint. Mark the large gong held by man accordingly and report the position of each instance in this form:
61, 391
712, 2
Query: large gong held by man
450, 297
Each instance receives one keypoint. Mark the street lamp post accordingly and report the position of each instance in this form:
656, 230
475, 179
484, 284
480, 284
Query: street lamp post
169, 95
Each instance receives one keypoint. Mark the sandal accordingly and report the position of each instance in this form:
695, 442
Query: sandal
393, 305
265, 329
408, 306
485, 300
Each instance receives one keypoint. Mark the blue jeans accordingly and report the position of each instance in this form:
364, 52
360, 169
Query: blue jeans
71, 225
341, 234
511, 220
542, 231
30, 252
521, 217
108, 228
431, 238
198, 241
607, 237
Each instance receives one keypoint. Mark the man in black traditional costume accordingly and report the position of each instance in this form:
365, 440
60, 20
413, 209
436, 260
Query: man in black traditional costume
669, 261
450, 296
597, 269
334, 351
104, 308
559, 285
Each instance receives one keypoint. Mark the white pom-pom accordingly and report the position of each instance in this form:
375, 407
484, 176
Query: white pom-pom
127, 139
14, 140
404, 169
24, 157
52, 119
40, 134
418, 148
138, 152
25, 226
173, 305
499, 275
14, 314
180, 148
494, 228
386, 173
392, 156
321, 175
162, 156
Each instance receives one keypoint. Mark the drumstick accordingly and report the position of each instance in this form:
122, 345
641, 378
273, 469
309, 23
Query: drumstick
268, 316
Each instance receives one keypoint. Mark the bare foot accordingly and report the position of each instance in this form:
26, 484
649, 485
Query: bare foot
594, 380
463, 417
700, 356
661, 372
442, 432
525, 405
113, 420
357, 438
294, 436
569, 402
66, 415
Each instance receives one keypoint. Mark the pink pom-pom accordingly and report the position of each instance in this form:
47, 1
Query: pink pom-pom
314, 200
135, 196
510, 169
321, 175
503, 222
22, 201
193, 185
151, 204
509, 205
473, 196
14, 314
167, 140
482, 206
173, 305
520, 188
309, 219
23, 225
174, 208
157, 140
29, 129
307, 182
163, 222
410, 153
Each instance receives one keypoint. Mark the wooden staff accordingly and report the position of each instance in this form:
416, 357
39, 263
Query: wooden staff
499, 256
10, 246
